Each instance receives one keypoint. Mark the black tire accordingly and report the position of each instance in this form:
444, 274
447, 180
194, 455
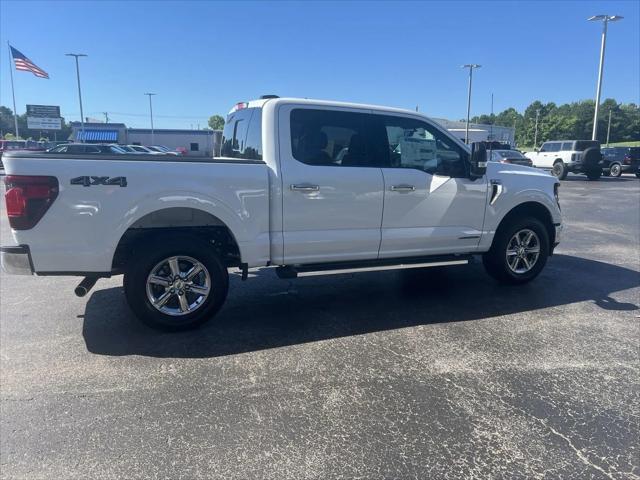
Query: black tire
615, 170
495, 260
594, 175
559, 170
182, 246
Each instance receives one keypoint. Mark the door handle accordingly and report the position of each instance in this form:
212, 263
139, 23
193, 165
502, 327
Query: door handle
304, 187
404, 188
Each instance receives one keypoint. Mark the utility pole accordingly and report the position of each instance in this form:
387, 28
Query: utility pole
535, 137
609, 127
605, 21
470, 66
77, 55
151, 115
13, 93
492, 120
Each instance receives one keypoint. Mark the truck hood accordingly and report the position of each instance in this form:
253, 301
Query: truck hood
497, 170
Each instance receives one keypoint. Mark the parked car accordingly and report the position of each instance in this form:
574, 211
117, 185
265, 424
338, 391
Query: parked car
163, 149
619, 160
510, 156
143, 149
87, 148
564, 156
128, 149
406, 194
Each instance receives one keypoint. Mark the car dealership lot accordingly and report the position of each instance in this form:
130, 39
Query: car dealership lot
441, 374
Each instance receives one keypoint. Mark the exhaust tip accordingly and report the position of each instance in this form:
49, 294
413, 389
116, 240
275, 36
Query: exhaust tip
85, 285
80, 291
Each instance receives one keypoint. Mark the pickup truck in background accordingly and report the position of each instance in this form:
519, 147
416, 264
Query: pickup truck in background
564, 156
309, 187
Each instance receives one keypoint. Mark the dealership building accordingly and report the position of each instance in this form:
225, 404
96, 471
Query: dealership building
197, 143
479, 132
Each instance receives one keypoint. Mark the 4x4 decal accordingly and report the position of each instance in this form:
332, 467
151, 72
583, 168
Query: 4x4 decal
91, 181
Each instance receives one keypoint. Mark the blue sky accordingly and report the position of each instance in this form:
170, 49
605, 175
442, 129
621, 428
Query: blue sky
203, 57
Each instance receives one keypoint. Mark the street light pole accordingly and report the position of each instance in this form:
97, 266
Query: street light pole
535, 136
605, 19
76, 55
151, 115
470, 66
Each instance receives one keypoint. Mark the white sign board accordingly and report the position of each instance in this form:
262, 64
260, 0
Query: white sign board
44, 123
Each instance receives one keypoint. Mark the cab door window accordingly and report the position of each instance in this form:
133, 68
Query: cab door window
413, 143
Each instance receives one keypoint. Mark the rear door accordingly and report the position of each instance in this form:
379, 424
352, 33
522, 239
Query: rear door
332, 191
430, 205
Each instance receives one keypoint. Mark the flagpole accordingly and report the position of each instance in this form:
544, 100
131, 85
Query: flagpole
13, 92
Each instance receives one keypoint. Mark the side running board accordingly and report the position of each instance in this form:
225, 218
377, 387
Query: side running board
295, 271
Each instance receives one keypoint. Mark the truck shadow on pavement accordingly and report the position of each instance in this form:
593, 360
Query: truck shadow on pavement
266, 312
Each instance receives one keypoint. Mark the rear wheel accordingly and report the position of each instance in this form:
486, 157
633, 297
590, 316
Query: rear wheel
615, 170
177, 283
559, 170
519, 251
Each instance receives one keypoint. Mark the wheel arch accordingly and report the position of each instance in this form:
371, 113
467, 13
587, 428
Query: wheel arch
170, 220
530, 209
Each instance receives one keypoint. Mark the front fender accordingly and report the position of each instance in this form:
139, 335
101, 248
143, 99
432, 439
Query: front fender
519, 185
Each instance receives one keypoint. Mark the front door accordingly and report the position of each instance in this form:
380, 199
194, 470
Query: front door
430, 205
332, 194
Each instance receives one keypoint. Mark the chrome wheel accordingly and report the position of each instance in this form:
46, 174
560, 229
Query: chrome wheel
178, 285
523, 251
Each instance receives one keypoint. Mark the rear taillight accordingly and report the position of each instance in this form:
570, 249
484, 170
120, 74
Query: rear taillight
28, 198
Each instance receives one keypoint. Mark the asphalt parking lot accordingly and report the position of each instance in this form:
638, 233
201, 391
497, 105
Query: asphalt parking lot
434, 374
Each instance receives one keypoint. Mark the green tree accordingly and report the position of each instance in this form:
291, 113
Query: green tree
216, 122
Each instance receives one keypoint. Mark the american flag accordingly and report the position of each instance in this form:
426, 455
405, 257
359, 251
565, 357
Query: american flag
26, 65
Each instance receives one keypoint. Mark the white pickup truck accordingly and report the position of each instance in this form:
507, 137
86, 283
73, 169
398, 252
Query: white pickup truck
310, 187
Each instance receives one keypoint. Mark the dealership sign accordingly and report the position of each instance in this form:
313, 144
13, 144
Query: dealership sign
43, 117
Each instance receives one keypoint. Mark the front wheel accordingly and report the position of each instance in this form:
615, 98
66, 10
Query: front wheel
559, 170
519, 251
176, 283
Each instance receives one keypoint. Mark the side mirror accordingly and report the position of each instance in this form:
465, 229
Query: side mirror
478, 159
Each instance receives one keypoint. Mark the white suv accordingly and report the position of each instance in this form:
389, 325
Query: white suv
564, 156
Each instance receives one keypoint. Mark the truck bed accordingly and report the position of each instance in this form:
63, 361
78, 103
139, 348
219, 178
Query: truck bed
102, 196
